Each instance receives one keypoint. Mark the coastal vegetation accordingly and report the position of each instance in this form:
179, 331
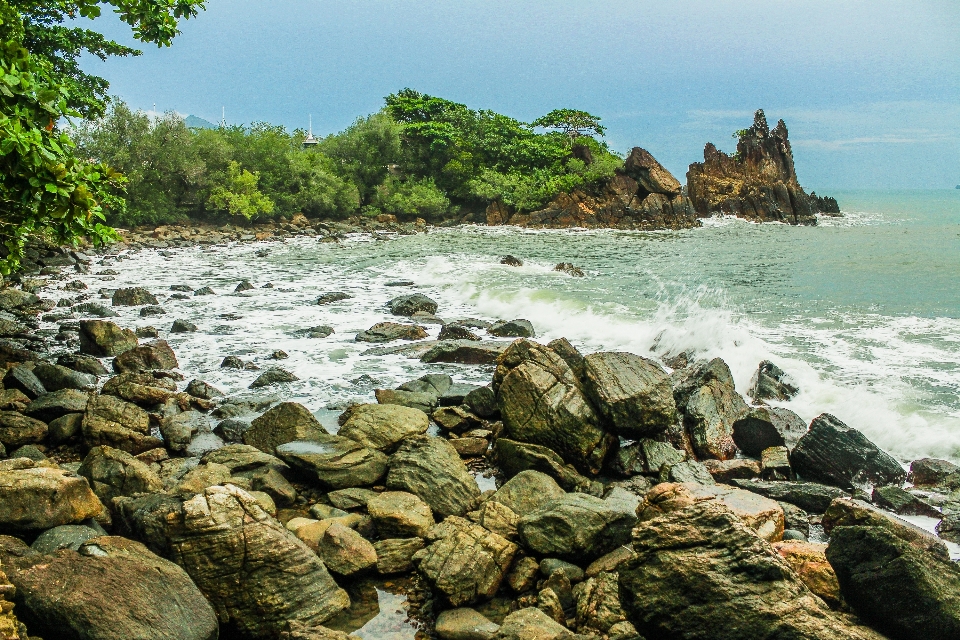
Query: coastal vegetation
420, 156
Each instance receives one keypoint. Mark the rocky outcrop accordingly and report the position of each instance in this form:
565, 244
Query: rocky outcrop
34, 498
641, 195
758, 183
430, 469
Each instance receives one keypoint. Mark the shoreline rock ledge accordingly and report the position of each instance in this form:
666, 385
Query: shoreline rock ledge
757, 183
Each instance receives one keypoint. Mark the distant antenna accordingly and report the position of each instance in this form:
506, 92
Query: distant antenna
223, 117
310, 141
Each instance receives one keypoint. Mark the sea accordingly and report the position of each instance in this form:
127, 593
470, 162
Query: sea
862, 310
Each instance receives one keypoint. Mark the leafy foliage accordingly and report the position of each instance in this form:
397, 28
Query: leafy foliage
571, 122
240, 195
410, 197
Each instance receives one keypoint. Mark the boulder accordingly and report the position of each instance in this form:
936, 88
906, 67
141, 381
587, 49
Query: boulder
410, 304
465, 624
455, 331
686, 471
430, 468
51, 406
701, 573
140, 388
809, 561
577, 527
464, 562
336, 462
389, 331
644, 456
846, 512
395, 555
151, 356
809, 496
24, 380
398, 514
897, 588
105, 339
514, 457
725, 471
527, 491
764, 427
532, 624
286, 422
512, 329
456, 419
383, 426
66, 536
12, 299
55, 377
344, 551
111, 421
178, 430
903, 502
109, 589
17, 430
598, 603
775, 464
541, 402
482, 402
133, 297
276, 581
928, 472
833, 453
650, 175
470, 447
33, 498
710, 405
496, 517
334, 296
82, 363
422, 401
182, 326
275, 375
769, 382
464, 352
113, 473
632, 393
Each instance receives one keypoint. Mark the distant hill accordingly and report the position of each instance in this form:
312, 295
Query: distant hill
195, 122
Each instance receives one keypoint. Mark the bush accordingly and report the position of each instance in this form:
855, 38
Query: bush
411, 197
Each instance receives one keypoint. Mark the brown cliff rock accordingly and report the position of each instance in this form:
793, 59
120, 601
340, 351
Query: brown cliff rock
758, 183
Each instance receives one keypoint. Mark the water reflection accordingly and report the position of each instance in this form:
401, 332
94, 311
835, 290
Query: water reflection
378, 611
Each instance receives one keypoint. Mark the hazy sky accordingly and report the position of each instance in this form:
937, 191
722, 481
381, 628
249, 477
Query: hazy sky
870, 90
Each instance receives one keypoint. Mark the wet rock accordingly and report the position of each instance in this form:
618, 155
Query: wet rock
410, 304
329, 298
200, 389
764, 427
231, 429
751, 592
463, 352
644, 456
928, 472
17, 430
398, 514
65, 428
140, 388
511, 261
12, 299
577, 527
833, 453
320, 331
178, 430
113, 473
464, 561
383, 426
809, 561
457, 332
149, 357
513, 329
66, 536
286, 422
51, 406
424, 402
152, 310
650, 175
769, 382
55, 377
111, 421
795, 519
724, 471
569, 269
809, 496
395, 555
528, 491
897, 588
390, 331
337, 462
36, 497
272, 376
456, 419
775, 464
686, 471
598, 603
482, 401
710, 406
94, 309
92, 592
133, 297
245, 285
542, 403
277, 581
344, 551
204, 291
83, 364
532, 624
430, 468
231, 362
902, 502
465, 624
147, 332
182, 326
514, 457
845, 512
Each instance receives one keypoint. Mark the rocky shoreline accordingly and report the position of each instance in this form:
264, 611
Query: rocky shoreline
635, 498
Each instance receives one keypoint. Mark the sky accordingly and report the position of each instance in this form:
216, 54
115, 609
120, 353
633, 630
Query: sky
869, 90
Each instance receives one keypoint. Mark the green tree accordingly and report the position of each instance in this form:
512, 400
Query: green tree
317, 189
239, 196
364, 152
410, 197
571, 122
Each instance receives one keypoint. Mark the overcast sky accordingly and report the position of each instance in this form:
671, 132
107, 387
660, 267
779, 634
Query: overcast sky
870, 90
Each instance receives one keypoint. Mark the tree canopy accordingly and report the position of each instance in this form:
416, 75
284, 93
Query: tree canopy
571, 122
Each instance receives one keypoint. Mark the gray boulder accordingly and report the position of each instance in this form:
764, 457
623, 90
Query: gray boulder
286, 422
383, 426
336, 462
148, 357
710, 405
105, 339
512, 329
66, 536
809, 496
410, 304
577, 527
51, 406
765, 427
771, 383
34, 498
431, 469
24, 380
514, 457
56, 377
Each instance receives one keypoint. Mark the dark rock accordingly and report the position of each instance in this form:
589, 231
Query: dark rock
511, 261
66, 536
650, 175
113, 473
513, 457
133, 297
231, 429
644, 456
846, 512
83, 364
65, 428
152, 310
897, 588
577, 527
13, 353
55, 377
902, 502
286, 422
35, 498
456, 394
833, 453
457, 332
231, 362
928, 472
329, 298
775, 464
279, 355
725, 471
686, 471
182, 326
541, 402
244, 285
771, 383
389, 331
51, 406
200, 389
569, 269
483, 402
431, 469
204, 291
147, 332
148, 357
320, 331
337, 463
710, 405
464, 352
764, 427
632, 393
24, 380
273, 376
512, 329
809, 496
410, 304
17, 430
94, 309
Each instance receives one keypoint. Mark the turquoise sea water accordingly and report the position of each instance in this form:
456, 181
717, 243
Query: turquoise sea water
862, 310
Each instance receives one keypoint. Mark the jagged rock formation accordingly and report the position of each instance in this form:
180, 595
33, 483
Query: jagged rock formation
758, 183
642, 195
